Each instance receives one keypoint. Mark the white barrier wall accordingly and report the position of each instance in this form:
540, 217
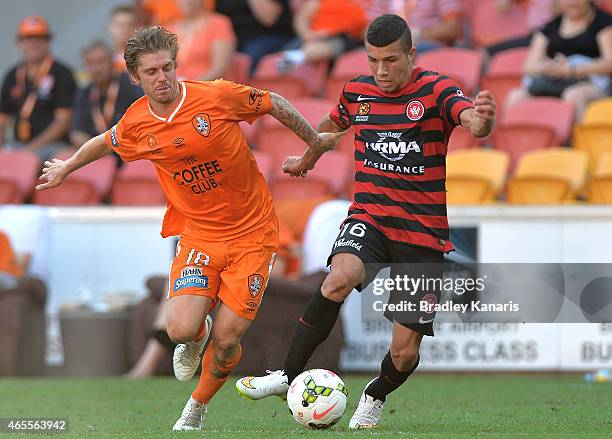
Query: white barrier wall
83, 252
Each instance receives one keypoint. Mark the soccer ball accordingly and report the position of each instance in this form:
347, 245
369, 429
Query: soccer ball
317, 398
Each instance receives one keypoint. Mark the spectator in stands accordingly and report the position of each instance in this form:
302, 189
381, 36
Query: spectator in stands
123, 22
37, 93
207, 42
570, 57
325, 30
539, 12
164, 12
100, 105
434, 23
262, 26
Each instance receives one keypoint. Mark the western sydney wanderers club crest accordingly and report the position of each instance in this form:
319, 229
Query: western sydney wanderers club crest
415, 110
201, 123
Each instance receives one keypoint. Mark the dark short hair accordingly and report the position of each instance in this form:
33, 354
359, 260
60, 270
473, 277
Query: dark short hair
149, 39
387, 29
97, 44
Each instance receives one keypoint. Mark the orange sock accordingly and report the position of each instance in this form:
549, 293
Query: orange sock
214, 374
201, 332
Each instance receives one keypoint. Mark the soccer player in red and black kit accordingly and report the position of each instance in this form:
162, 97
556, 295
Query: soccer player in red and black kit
403, 116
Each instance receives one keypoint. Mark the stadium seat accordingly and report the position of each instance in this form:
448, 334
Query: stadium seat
137, 185
606, 5
265, 164
462, 65
347, 66
475, 176
461, 139
594, 134
278, 140
505, 73
552, 176
306, 80
240, 68
600, 184
329, 177
249, 131
86, 186
18, 172
531, 125
518, 139
551, 112
490, 27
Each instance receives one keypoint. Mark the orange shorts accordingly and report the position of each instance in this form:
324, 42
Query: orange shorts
235, 272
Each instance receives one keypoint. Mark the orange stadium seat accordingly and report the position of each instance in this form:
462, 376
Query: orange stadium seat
86, 186
594, 134
347, 66
462, 65
552, 176
278, 140
505, 73
329, 177
137, 185
18, 172
240, 68
600, 185
306, 80
490, 27
475, 176
461, 139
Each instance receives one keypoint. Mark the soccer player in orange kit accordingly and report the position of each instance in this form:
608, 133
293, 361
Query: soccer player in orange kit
218, 201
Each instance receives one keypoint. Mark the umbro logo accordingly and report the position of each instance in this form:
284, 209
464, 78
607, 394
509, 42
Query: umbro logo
364, 98
179, 142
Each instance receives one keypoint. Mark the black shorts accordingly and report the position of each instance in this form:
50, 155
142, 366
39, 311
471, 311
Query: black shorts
376, 252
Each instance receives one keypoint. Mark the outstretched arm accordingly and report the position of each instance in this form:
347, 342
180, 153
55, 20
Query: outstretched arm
286, 114
480, 119
56, 170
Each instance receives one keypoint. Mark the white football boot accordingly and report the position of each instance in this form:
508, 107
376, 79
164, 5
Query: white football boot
192, 417
274, 384
368, 412
186, 358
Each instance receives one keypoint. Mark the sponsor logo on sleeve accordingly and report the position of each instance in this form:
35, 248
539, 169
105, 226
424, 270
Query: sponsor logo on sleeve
113, 136
196, 281
255, 99
201, 123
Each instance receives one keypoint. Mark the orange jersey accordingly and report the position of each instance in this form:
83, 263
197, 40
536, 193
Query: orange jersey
207, 171
8, 259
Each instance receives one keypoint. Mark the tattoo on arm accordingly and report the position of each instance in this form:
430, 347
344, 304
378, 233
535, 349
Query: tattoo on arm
286, 114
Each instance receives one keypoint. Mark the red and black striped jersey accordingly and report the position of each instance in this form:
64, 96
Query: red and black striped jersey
400, 154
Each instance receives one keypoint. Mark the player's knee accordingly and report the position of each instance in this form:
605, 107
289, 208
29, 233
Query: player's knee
225, 345
180, 332
404, 357
338, 285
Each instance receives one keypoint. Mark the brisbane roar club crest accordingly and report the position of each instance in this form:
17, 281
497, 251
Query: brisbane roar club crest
201, 123
256, 284
415, 110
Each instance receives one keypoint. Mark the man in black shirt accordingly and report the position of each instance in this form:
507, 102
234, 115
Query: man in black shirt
37, 93
101, 104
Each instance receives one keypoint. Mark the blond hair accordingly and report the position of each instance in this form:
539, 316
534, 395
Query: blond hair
149, 39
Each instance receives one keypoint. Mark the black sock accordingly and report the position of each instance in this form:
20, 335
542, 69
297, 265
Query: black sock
313, 328
389, 379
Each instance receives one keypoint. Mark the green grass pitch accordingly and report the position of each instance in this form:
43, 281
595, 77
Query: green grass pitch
428, 406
